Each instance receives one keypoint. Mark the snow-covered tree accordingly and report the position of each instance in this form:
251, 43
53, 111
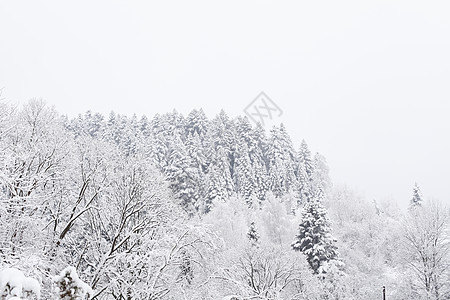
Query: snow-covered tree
280, 157
275, 220
305, 172
320, 179
258, 162
219, 148
305, 158
427, 250
253, 234
216, 187
13, 283
270, 273
183, 176
70, 287
196, 124
244, 179
314, 238
417, 199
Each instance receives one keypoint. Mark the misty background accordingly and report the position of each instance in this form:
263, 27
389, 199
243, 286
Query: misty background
364, 83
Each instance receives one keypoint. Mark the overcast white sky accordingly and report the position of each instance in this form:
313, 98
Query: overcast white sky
366, 83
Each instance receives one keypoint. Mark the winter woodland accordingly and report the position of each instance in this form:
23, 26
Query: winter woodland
186, 207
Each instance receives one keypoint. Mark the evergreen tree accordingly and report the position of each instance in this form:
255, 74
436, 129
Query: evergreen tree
306, 159
280, 157
183, 177
219, 148
144, 126
216, 187
314, 237
159, 150
289, 158
258, 162
176, 124
243, 175
196, 123
244, 131
305, 170
321, 182
253, 234
70, 287
304, 187
417, 199
187, 270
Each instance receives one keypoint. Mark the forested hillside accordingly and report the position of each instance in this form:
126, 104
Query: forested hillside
210, 160
186, 207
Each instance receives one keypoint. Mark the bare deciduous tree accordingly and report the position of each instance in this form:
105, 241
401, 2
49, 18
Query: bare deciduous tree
427, 248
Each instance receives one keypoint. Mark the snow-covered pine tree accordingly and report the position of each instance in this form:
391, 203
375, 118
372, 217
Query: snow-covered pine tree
417, 199
216, 187
15, 285
183, 176
159, 142
306, 158
196, 129
258, 162
253, 234
243, 174
92, 124
159, 150
70, 287
219, 147
314, 238
321, 182
144, 126
187, 271
304, 187
279, 163
108, 134
289, 158
177, 124
244, 131
227, 130
305, 170
196, 123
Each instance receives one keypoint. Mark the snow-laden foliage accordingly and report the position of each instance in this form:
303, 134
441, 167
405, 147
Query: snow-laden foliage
427, 250
253, 234
186, 207
314, 239
70, 287
417, 198
14, 284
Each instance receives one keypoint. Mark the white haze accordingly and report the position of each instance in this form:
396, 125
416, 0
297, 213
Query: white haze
366, 83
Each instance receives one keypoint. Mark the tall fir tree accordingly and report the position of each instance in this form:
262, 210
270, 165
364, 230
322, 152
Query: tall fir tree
280, 158
244, 180
258, 161
321, 182
305, 171
196, 123
289, 158
306, 158
219, 146
417, 198
314, 238
183, 177
253, 235
216, 187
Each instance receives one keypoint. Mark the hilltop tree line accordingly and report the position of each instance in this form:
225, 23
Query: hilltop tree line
211, 160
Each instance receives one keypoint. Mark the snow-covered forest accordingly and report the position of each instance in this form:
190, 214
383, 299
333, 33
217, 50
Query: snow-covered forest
185, 207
